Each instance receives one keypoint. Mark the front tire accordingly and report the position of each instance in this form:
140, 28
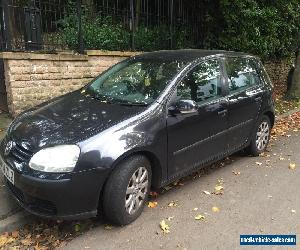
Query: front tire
260, 136
127, 190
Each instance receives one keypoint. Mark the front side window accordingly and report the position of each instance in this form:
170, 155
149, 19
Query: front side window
241, 73
203, 83
136, 81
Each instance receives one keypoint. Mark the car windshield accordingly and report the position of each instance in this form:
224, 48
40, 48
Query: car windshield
136, 81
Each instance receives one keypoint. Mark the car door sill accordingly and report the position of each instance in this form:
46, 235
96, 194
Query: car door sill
201, 164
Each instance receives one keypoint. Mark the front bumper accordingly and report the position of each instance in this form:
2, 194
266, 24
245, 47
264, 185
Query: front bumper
75, 197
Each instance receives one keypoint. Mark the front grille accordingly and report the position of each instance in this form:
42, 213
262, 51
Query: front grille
20, 154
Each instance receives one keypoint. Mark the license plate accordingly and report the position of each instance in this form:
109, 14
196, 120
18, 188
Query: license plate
7, 171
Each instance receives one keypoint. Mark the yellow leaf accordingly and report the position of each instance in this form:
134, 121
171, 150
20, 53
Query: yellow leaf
108, 227
164, 226
236, 172
152, 204
199, 217
292, 166
215, 209
219, 189
27, 242
173, 204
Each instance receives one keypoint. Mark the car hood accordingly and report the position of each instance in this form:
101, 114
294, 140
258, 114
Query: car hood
68, 119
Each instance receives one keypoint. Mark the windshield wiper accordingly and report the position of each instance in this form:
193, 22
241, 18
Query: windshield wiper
128, 103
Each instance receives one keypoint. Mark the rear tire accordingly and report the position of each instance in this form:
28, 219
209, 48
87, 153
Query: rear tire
260, 136
127, 190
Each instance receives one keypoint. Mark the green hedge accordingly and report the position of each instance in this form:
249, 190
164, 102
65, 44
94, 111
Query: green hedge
266, 28
105, 34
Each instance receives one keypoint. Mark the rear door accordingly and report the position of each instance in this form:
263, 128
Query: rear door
245, 91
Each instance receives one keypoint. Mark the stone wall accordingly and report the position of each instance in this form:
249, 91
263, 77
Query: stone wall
32, 78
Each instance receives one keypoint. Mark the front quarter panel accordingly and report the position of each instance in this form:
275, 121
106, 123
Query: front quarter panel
145, 132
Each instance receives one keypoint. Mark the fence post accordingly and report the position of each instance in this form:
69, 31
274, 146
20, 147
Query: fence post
132, 24
171, 22
80, 35
6, 26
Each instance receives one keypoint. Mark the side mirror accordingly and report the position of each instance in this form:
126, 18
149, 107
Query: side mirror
183, 107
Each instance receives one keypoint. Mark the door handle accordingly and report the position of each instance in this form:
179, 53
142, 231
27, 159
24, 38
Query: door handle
223, 112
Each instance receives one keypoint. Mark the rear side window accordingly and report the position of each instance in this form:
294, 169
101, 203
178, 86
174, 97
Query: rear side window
242, 73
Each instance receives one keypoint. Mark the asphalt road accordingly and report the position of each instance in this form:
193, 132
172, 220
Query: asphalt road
262, 199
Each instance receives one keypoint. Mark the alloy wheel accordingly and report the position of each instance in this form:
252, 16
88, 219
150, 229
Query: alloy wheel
136, 190
262, 136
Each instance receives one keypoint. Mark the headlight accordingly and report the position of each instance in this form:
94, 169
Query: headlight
56, 159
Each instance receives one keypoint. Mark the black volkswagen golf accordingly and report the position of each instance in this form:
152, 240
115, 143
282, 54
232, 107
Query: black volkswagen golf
141, 124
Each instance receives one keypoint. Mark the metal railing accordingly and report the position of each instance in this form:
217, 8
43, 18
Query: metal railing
27, 25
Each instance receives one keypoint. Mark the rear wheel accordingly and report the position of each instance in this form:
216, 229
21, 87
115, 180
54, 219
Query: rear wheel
260, 137
127, 190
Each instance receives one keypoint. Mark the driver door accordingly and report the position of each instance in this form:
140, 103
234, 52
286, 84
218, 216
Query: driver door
198, 137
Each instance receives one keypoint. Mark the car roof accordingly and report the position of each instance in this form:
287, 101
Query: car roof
186, 54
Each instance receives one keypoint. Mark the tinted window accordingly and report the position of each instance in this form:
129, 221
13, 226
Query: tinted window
242, 73
203, 83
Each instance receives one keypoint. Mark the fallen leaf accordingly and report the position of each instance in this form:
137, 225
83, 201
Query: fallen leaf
195, 209
15, 234
281, 159
153, 194
215, 209
77, 227
27, 242
200, 217
270, 196
108, 227
170, 218
236, 172
258, 163
167, 188
5, 239
293, 211
173, 204
152, 204
219, 189
292, 166
164, 227
206, 192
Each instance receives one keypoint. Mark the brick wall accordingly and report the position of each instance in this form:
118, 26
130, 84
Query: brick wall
32, 78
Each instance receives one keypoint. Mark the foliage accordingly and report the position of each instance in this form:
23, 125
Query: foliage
267, 28
108, 34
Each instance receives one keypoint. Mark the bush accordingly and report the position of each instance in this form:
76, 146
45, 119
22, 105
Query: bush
103, 33
269, 29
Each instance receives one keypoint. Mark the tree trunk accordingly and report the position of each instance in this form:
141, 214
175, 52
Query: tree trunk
294, 92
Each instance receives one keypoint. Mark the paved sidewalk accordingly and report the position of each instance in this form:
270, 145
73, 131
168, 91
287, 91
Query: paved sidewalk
11, 215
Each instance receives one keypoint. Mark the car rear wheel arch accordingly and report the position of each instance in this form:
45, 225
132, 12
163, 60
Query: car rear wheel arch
271, 117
